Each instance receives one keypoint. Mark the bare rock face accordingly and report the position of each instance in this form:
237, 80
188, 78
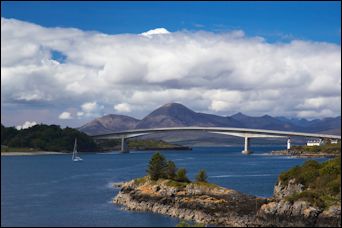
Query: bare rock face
281, 191
299, 213
284, 213
330, 217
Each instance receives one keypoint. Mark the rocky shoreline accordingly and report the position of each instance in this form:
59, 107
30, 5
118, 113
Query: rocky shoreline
301, 154
210, 204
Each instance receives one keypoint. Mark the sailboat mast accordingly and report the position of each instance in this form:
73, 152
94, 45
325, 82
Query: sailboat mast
75, 145
75, 157
75, 150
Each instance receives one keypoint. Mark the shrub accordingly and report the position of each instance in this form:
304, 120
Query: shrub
201, 176
322, 182
334, 187
181, 175
307, 176
310, 196
311, 164
286, 176
331, 167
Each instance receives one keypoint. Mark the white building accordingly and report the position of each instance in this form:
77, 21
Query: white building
334, 141
315, 142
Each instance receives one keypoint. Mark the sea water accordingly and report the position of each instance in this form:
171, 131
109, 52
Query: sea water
52, 190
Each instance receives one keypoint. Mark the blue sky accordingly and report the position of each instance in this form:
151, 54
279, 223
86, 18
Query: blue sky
275, 21
70, 62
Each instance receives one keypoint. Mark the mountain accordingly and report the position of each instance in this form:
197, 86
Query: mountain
330, 124
295, 121
263, 122
108, 124
324, 124
177, 115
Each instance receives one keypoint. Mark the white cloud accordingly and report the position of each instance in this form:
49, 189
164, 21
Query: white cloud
90, 109
156, 31
221, 73
26, 125
89, 106
65, 116
123, 107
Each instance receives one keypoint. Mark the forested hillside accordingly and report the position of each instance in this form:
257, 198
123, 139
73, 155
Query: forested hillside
47, 138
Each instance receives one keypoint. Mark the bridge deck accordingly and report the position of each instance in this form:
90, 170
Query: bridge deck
127, 133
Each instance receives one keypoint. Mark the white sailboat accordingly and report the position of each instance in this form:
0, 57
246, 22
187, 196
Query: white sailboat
75, 156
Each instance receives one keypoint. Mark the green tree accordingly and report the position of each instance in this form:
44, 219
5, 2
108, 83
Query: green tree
181, 175
157, 167
201, 176
7, 133
171, 170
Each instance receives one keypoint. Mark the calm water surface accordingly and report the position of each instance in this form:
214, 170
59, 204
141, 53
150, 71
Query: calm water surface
51, 190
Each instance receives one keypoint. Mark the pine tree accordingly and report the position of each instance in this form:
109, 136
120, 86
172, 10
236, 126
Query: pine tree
201, 176
157, 167
171, 170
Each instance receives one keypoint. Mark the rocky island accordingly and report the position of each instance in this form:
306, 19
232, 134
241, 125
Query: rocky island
304, 196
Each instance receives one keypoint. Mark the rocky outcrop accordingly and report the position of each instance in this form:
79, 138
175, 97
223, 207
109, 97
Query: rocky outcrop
280, 212
330, 217
298, 213
281, 191
202, 203
284, 213
211, 204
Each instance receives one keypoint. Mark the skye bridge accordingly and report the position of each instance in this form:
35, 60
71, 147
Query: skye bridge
239, 132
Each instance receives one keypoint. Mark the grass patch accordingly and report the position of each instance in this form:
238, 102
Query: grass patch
176, 184
167, 182
206, 184
141, 180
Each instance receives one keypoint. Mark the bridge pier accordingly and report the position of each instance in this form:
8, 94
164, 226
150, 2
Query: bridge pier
288, 143
124, 145
246, 150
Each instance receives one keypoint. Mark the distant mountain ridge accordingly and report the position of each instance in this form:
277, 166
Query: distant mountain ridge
109, 123
178, 115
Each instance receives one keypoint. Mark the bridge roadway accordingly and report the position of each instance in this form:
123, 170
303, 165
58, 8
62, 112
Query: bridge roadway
240, 132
